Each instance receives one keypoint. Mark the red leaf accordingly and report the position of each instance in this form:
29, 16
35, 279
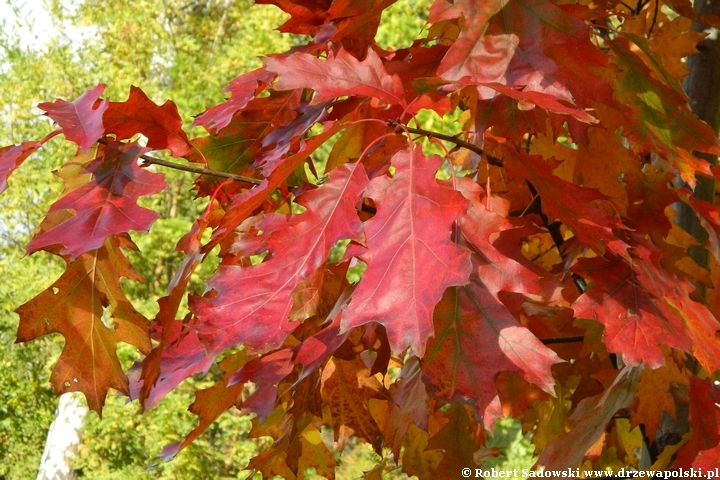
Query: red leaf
81, 120
257, 315
534, 45
104, 206
628, 300
161, 125
243, 89
266, 372
477, 338
570, 203
542, 100
411, 260
12, 156
212, 402
341, 74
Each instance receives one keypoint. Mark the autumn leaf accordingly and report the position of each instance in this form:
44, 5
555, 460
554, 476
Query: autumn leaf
299, 245
12, 156
419, 212
589, 421
341, 74
346, 388
161, 125
242, 91
104, 206
75, 306
81, 120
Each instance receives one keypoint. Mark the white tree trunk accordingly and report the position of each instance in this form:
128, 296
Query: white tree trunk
63, 439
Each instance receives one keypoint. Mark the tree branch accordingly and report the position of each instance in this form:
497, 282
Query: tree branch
201, 171
449, 138
574, 339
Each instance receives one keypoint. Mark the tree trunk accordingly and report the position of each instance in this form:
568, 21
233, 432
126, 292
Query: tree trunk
63, 439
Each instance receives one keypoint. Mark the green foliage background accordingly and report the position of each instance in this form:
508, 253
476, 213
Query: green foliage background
179, 49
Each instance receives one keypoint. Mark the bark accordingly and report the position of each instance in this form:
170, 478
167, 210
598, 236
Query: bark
63, 439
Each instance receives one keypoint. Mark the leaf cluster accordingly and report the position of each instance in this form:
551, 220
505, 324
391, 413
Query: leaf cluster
529, 263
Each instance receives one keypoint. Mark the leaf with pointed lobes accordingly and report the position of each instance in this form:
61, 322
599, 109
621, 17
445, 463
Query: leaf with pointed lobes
265, 372
242, 90
629, 299
411, 259
244, 204
477, 338
660, 116
212, 402
347, 388
570, 203
520, 43
481, 227
589, 421
169, 362
340, 75
161, 125
82, 120
106, 205
252, 304
75, 306
181, 356
235, 148
529, 99
12, 156
277, 143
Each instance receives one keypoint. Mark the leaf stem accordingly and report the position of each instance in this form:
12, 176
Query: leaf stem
201, 171
449, 138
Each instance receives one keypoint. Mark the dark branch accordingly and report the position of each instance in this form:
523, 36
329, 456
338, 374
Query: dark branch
449, 138
573, 339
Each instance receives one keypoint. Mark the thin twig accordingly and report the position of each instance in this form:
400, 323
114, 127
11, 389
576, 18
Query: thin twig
573, 339
654, 20
449, 138
198, 170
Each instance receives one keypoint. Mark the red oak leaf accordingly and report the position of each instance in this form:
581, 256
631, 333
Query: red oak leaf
257, 314
476, 338
243, 89
12, 156
570, 203
480, 228
212, 402
410, 258
306, 16
180, 356
236, 147
161, 125
265, 372
341, 74
628, 299
519, 43
81, 120
542, 100
104, 206
73, 307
